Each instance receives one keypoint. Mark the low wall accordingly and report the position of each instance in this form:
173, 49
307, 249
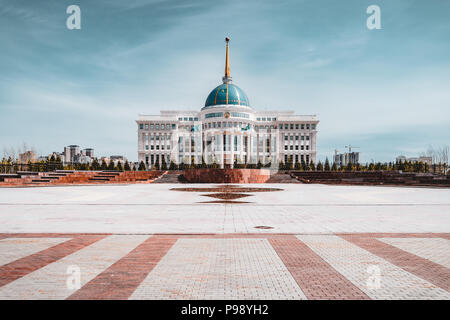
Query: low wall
226, 175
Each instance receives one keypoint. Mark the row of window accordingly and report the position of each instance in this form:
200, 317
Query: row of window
188, 119
266, 119
169, 126
295, 158
291, 126
286, 138
157, 137
157, 147
157, 126
292, 147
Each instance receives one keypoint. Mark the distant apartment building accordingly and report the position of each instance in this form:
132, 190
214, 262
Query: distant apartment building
73, 153
343, 159
27, 156
427, 160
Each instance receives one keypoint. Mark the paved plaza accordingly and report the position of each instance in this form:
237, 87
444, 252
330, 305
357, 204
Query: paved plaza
273, 241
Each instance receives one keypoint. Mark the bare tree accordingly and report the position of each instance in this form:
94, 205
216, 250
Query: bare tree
443, 154
9, 152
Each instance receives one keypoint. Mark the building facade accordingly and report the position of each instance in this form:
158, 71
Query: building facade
227, 130
343, 159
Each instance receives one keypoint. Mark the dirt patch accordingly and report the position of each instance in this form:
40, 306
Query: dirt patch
226, 189
227, 195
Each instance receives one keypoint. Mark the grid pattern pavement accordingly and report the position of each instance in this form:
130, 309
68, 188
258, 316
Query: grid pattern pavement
220, 269
378, 278
225, 266
28, 246
433, 249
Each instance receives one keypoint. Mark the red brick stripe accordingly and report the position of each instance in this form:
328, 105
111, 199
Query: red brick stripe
121, 279
316, 278
423, 268
21, 267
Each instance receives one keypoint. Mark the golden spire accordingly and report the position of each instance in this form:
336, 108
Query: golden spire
227, 77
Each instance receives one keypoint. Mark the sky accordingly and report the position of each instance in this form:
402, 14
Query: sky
385, 91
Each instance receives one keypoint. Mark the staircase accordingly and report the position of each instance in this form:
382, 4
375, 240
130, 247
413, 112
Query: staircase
170, 177
282, 177
50, 177
105, 176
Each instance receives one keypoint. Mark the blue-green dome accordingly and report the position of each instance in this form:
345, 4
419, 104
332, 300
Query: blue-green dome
227, 93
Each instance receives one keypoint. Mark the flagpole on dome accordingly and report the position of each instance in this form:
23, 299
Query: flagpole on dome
227, 77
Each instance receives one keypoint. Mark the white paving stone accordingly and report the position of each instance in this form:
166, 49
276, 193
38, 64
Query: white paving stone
50, 282
12, 249
433, 249
220, 269
353, 263
153, 208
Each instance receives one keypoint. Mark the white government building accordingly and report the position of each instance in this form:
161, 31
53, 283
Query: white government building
225, 131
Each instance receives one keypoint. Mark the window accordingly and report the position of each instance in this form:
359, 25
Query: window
214, 124
157, 147
296, 126
292, 137
307, 127
285, 147
185, 118
209, 125
141, 126
218, 124
173, 126
196, 119
296, 147
286, 126
214, 115
263, 119
313, 126
190, 119
281, 126
258, 119
146, 147
302, 137
157, 127
286, 138
240, 115
151, 127
180, 119
303, 126
307, 138
274, 119
152, 147
292, 148
162, 127
296, 138
307, 147
302, 147
292, 126
157, 138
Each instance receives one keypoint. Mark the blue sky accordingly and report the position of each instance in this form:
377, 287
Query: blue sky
386, 91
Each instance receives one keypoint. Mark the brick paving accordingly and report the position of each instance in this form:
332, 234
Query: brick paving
224, 266
433, 272
148, 242
358, 265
